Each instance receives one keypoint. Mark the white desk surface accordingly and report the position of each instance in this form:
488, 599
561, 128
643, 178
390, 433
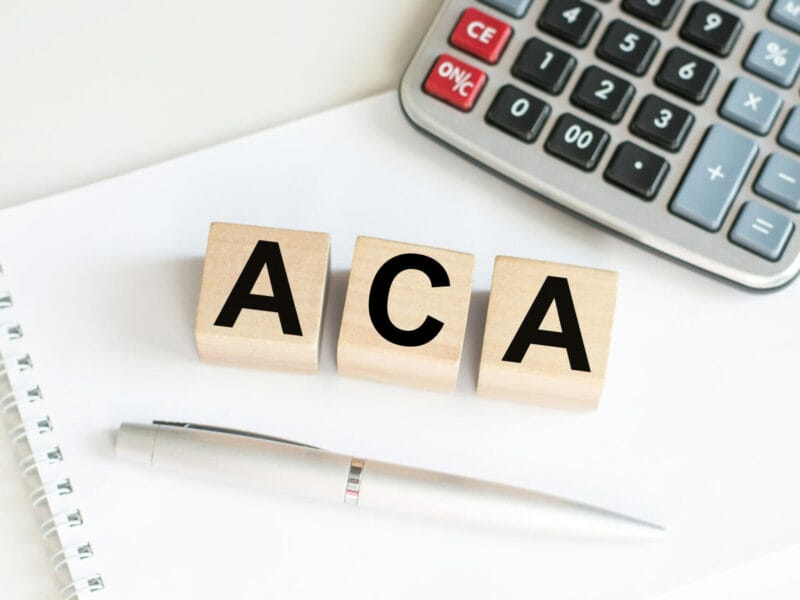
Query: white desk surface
93, 89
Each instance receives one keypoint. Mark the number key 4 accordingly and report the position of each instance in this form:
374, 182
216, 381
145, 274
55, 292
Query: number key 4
573, 21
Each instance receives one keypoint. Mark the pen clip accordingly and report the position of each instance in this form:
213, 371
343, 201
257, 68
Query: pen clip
229, 431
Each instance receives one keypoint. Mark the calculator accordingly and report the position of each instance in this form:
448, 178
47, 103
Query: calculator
674, 123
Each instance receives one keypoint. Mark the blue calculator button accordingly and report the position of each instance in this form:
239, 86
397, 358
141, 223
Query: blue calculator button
779, 181
515, 8
790, 134
775, 58
714, 177
751, 105
761, 230
786, 13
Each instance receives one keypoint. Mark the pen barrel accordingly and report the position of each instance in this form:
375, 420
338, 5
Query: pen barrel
459, 499
272, 466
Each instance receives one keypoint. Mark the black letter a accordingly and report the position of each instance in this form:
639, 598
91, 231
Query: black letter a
554, 289
264, 254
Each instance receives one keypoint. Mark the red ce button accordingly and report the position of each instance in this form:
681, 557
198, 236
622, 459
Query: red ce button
481, 35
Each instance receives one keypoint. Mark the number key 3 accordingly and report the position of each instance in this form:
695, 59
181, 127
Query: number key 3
662, 123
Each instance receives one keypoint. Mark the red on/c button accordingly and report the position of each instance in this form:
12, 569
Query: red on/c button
481, 35
455, 82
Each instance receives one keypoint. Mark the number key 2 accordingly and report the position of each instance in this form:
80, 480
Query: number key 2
711, 28
627, 47
687, 75
662, 123
603, 94
577, 142
573, 21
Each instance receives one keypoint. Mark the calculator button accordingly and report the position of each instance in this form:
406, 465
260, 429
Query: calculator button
577, 142
573, 21
687, 75
627, 47
544, 66
455, 82
779, 181
775, 58
518, 113
751, 105
662, 123
714, 177
762, 230
744, 3
515, 8
786, 13
603, 94
481, 35
711, 28
790, 134
660, 13
637, 170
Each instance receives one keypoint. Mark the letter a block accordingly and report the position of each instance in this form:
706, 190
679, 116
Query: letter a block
548, 330
262, 296
405, 314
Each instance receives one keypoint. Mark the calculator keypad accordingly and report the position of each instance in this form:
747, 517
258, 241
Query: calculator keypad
676, 125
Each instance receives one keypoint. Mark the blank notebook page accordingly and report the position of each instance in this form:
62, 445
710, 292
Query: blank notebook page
697, 427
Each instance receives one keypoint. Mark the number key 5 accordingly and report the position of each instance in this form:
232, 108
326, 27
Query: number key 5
628, 47
662, 123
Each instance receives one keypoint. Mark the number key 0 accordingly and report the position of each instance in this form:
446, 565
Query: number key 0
662, 123
577, 142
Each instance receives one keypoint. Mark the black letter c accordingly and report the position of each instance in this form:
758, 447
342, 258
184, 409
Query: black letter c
379, 299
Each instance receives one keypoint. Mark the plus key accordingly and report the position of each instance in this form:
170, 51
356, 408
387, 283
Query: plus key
455, 82
714, 177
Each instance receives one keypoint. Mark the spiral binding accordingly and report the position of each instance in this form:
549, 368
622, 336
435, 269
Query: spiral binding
38, 461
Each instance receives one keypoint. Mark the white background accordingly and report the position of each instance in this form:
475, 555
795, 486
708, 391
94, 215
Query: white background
92, 88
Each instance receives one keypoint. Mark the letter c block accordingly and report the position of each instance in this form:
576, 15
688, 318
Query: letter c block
262, 296
405, 314
548, 332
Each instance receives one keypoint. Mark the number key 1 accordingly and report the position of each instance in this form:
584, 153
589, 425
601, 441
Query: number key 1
662, 123
544, 66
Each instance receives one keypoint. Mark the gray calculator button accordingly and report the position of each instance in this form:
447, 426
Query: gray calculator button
787, 13
775, 58
515, 8
790, 134
751, 105
780, 181
744, 3
762, 230
714, 177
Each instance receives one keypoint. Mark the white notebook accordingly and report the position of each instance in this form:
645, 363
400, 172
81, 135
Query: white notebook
697, 427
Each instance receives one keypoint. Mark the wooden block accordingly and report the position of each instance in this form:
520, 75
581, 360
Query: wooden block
405, 314
262, 296
548, 330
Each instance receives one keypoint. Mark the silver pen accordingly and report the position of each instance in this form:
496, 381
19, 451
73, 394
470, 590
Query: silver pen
284, 466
